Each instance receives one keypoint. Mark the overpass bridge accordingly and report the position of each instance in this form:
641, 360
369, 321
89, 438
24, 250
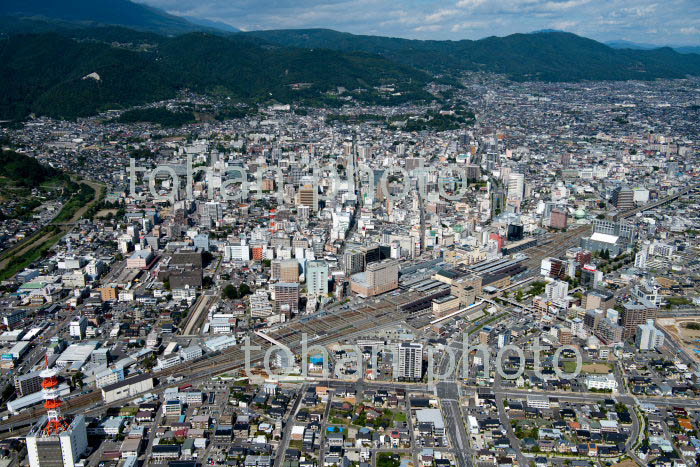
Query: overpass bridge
657, 203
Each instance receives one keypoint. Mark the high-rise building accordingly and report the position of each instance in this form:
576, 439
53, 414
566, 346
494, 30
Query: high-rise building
497, 201
558, 219
583, 256
556, 291
317, 278
55, 441
516, 186
378, 278
591, 276
623, 198
410, 363
28, 383
413, 163
553, 267
599, 299
648, 336
641, 258
577, 328
347, 148
609, 332
355, 259
484, 337
473, 172
308, 196
565, 159
515, 232
78, 327
592, 319
212, 212
63, 449
201, 241
635, 314
285, 270
503, 339
286, 298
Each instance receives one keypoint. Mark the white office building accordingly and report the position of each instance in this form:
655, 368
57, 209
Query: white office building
649, 337
78, 327
557, 292
410, 361
63, 449
316, 278
516, 186
602, 382
191, 353
237, 252
109, 376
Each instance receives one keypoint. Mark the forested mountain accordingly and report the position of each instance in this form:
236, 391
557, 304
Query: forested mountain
56, 62
52, 74
684, 49
103, 12
548, 55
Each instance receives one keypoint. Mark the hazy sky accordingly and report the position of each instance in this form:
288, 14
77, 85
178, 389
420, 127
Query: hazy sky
674, 22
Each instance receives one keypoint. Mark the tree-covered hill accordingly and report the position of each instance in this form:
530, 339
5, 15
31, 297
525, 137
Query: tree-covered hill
24, 170
550, 56
78, 71
102, 12
56, 75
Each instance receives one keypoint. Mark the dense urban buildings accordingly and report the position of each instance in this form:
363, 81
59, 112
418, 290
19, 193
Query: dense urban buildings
349, 280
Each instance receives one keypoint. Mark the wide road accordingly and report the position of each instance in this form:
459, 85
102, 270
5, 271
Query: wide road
328, 329
288, 425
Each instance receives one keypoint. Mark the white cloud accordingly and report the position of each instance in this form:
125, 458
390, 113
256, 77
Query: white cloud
470, 3
564, 25
457, 19
467, 25
565, 5
440, 15
641, 11
428, 28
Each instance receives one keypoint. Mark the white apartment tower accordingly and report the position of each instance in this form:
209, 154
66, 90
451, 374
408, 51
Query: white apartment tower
410, 362
516, 186
316, 278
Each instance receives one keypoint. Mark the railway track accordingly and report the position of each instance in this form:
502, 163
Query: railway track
332, 327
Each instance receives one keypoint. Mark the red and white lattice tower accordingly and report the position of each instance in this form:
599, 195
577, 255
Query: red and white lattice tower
53, 402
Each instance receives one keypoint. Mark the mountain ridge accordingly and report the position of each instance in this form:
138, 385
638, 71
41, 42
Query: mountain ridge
139, 65
106, 12
623, 44
201, 62
550, 56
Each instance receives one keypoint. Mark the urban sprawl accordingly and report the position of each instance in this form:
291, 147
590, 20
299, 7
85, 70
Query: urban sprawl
305, 287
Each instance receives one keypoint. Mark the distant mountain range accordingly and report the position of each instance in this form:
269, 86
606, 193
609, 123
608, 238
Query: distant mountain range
87, 76
108, 12
684, 49
549, 56
217, 25
116, 53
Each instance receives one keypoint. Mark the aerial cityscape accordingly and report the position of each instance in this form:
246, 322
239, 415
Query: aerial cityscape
307, 248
